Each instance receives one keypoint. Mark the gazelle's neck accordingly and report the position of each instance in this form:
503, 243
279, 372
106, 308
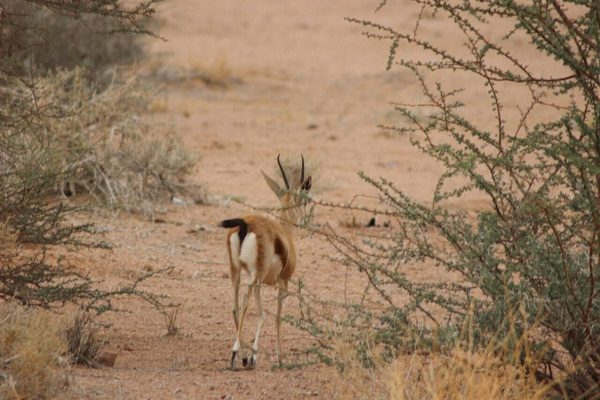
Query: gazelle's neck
289, 215
288, 219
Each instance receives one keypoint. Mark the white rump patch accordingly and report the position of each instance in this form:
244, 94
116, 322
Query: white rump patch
234, 243
249, 252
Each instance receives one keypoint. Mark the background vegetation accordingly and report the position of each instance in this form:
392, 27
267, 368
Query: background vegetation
73, 133
72, 123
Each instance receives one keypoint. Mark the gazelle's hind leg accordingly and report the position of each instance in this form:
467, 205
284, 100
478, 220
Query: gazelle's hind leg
261, 320
233, 247
238, 342
235, 278
281, 295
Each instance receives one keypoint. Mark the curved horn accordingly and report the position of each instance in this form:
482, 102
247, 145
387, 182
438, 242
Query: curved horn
302, 173
287, 185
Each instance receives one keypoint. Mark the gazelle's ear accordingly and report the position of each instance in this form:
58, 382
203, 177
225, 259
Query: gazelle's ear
273, 185
307, 184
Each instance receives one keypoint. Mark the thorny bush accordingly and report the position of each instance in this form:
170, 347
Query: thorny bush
71, 123
537, 242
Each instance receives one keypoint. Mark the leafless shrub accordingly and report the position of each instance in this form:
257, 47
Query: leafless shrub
114, 154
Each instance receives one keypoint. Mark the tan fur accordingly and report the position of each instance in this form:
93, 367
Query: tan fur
272, 240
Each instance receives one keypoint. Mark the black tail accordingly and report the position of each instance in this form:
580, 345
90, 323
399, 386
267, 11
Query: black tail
232, 223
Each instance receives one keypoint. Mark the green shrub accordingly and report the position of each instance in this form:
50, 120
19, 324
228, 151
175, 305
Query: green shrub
537, 242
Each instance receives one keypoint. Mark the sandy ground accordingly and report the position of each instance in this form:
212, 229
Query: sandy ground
300, 80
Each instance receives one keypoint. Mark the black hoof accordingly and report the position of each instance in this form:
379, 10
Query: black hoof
245, 361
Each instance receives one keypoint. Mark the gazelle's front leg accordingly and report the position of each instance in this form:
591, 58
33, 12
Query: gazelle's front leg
238, 342
281, 295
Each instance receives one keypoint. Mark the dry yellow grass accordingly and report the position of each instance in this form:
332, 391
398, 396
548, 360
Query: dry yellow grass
217, 73
502, 369
355, 381
83, 339
31, 355
460, 375
465, 375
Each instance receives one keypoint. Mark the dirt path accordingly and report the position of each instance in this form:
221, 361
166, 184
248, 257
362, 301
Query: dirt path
299, 80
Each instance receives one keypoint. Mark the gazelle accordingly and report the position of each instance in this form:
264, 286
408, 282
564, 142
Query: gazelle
264, 248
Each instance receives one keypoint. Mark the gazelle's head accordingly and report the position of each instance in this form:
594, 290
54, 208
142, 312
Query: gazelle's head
294, 195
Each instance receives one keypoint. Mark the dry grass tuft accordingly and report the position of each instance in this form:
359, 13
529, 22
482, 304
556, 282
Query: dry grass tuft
83, 340
31, 349
356, 381
461, 375
501, 369
464, 374
217, 74
171, 320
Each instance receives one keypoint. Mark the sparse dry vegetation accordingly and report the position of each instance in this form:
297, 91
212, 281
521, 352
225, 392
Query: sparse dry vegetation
107, 149
68, 129
463, 374
501, 368
32, 350
84, 342
74, 132
80, 139
170, 315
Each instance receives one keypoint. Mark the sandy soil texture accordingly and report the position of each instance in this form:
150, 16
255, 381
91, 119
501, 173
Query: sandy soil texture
260, 78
